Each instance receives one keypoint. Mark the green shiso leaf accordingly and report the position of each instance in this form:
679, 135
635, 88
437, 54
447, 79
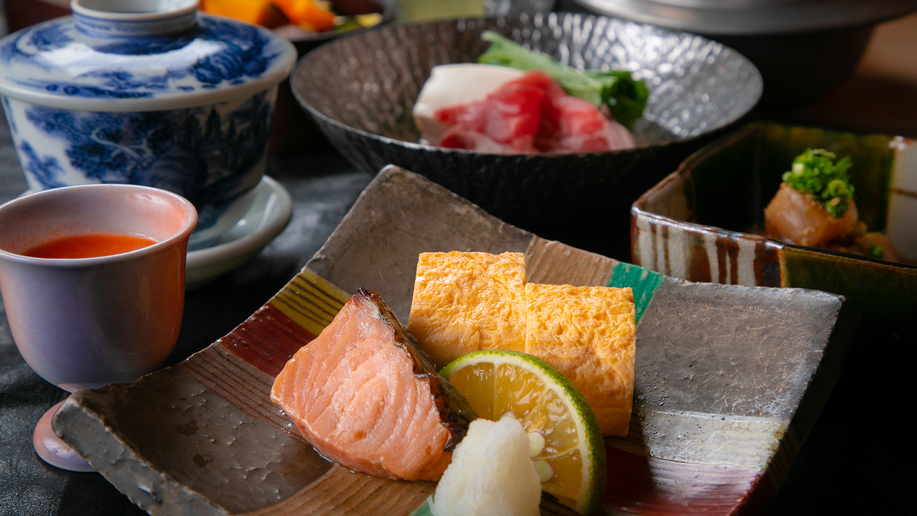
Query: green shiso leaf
815, 173
625, 97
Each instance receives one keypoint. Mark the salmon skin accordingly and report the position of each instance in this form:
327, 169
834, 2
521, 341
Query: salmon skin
365, 396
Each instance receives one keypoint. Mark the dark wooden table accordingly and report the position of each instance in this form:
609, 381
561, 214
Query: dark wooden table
856, 460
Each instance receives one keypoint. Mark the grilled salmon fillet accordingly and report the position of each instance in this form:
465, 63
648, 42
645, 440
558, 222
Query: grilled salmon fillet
367, 398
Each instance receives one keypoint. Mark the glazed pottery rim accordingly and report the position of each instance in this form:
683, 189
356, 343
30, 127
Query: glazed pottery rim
639, 206
418, 146
875, 262
638, 209
190, 213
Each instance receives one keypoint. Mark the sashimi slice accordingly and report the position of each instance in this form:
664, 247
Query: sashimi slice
510, 117
366, 397
456, 84
571, 124
459, 138
528, 115
580, 127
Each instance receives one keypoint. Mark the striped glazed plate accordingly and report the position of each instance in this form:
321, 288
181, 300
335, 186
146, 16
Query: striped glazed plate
729, 380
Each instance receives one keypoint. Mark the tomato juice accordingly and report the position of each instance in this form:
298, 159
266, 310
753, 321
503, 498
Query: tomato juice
89, 246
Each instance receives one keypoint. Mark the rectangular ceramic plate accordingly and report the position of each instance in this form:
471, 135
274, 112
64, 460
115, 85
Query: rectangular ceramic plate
729, 380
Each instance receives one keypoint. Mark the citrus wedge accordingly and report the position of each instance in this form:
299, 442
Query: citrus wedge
566, 441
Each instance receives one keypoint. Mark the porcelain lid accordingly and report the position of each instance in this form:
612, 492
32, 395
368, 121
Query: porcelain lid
104, 59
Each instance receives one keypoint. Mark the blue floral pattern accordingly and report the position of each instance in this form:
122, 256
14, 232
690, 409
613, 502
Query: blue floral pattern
151, 99
46, 171
190, 150
48, 37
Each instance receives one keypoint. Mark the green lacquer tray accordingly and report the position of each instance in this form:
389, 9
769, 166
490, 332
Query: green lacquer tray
729, 380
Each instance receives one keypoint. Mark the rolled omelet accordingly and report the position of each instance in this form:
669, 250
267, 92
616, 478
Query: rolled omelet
465, 302
587, 333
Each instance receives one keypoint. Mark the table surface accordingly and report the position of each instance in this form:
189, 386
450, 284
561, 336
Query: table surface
846, 465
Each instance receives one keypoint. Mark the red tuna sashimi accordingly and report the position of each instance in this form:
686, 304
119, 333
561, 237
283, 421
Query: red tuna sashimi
503, 122
506, 121
365, 397
571, 124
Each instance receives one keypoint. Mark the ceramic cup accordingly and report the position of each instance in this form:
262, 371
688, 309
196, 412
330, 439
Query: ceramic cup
82, 323
148, 92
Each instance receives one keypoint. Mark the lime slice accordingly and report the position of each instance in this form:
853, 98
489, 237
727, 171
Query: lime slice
565, 439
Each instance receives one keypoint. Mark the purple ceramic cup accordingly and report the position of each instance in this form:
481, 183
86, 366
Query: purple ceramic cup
86, 322
83, 323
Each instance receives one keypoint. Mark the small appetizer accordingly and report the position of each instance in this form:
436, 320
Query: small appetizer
365, 397
815, 207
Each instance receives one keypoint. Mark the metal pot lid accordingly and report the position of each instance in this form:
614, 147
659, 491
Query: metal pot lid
105, 59
752, 17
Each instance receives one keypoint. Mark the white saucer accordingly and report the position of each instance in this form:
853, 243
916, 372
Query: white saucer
268, 216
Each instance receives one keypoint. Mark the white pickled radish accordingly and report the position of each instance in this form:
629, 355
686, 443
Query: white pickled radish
491, 473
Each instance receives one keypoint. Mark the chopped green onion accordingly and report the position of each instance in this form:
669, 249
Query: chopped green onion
814, 173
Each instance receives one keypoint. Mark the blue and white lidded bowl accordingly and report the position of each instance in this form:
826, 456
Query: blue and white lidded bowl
148, 92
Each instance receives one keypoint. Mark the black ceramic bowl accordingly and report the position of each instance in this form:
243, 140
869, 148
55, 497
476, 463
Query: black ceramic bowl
360, 90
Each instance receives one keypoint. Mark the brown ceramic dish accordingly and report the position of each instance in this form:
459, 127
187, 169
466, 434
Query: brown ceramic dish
723, 398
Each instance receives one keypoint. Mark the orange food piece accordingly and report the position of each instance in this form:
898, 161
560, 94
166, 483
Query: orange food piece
888, 247
589, 334
257, 12
794, 217
466, 302
307, 14
366, 398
